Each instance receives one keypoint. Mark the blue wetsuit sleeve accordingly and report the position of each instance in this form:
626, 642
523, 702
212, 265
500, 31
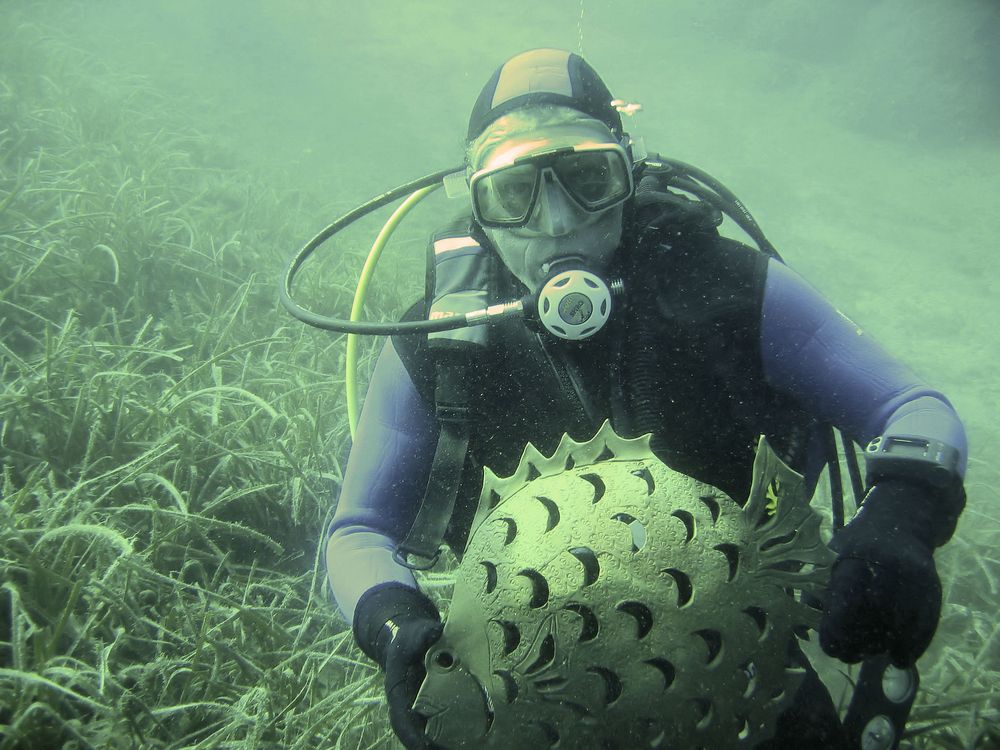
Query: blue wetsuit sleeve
840, 374
383, 485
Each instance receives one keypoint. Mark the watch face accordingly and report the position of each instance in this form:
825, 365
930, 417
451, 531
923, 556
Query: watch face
879, 734
897, 684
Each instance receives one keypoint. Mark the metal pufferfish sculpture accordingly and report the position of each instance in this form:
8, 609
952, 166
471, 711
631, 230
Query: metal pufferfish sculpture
607, 601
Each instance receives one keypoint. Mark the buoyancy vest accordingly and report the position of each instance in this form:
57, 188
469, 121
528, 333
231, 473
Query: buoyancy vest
680, 358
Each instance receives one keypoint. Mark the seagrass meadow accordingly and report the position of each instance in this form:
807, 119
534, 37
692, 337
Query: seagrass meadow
171, 442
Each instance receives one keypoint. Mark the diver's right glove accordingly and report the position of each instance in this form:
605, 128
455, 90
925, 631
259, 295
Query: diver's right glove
395, 625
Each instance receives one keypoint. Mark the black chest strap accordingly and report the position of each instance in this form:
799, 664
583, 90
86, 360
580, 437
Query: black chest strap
422, 546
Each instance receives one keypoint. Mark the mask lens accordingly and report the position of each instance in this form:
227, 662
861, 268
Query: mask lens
594, 178
506, 196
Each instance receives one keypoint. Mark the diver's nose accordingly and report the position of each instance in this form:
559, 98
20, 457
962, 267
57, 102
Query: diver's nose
554, 210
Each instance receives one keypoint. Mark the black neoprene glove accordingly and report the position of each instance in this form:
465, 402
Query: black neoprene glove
395, 625
884, 594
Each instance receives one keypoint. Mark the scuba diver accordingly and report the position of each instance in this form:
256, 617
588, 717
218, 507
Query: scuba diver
634, 308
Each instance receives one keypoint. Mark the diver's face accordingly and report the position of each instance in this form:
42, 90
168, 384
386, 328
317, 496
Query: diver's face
558, 229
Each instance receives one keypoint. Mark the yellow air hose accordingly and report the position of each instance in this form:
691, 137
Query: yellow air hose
351, 360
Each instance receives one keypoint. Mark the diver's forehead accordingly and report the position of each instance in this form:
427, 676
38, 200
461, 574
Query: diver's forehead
514, 143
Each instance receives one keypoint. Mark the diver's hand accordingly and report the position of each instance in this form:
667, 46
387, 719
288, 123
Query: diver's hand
884, 594
404, 673
395, 625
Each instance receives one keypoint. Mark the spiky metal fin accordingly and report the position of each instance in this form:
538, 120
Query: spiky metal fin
605, 445
789, 547
774, 486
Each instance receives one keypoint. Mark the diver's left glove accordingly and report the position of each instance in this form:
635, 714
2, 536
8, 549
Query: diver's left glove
395, 625
884, 594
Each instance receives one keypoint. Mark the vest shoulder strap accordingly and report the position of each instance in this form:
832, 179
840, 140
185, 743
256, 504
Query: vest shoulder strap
460, 271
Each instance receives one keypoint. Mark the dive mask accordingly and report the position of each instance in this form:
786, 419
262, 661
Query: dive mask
596, 177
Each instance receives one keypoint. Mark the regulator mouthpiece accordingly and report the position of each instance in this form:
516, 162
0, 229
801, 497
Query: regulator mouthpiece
574, 304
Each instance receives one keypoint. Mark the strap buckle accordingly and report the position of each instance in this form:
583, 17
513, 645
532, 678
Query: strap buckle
415, 560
